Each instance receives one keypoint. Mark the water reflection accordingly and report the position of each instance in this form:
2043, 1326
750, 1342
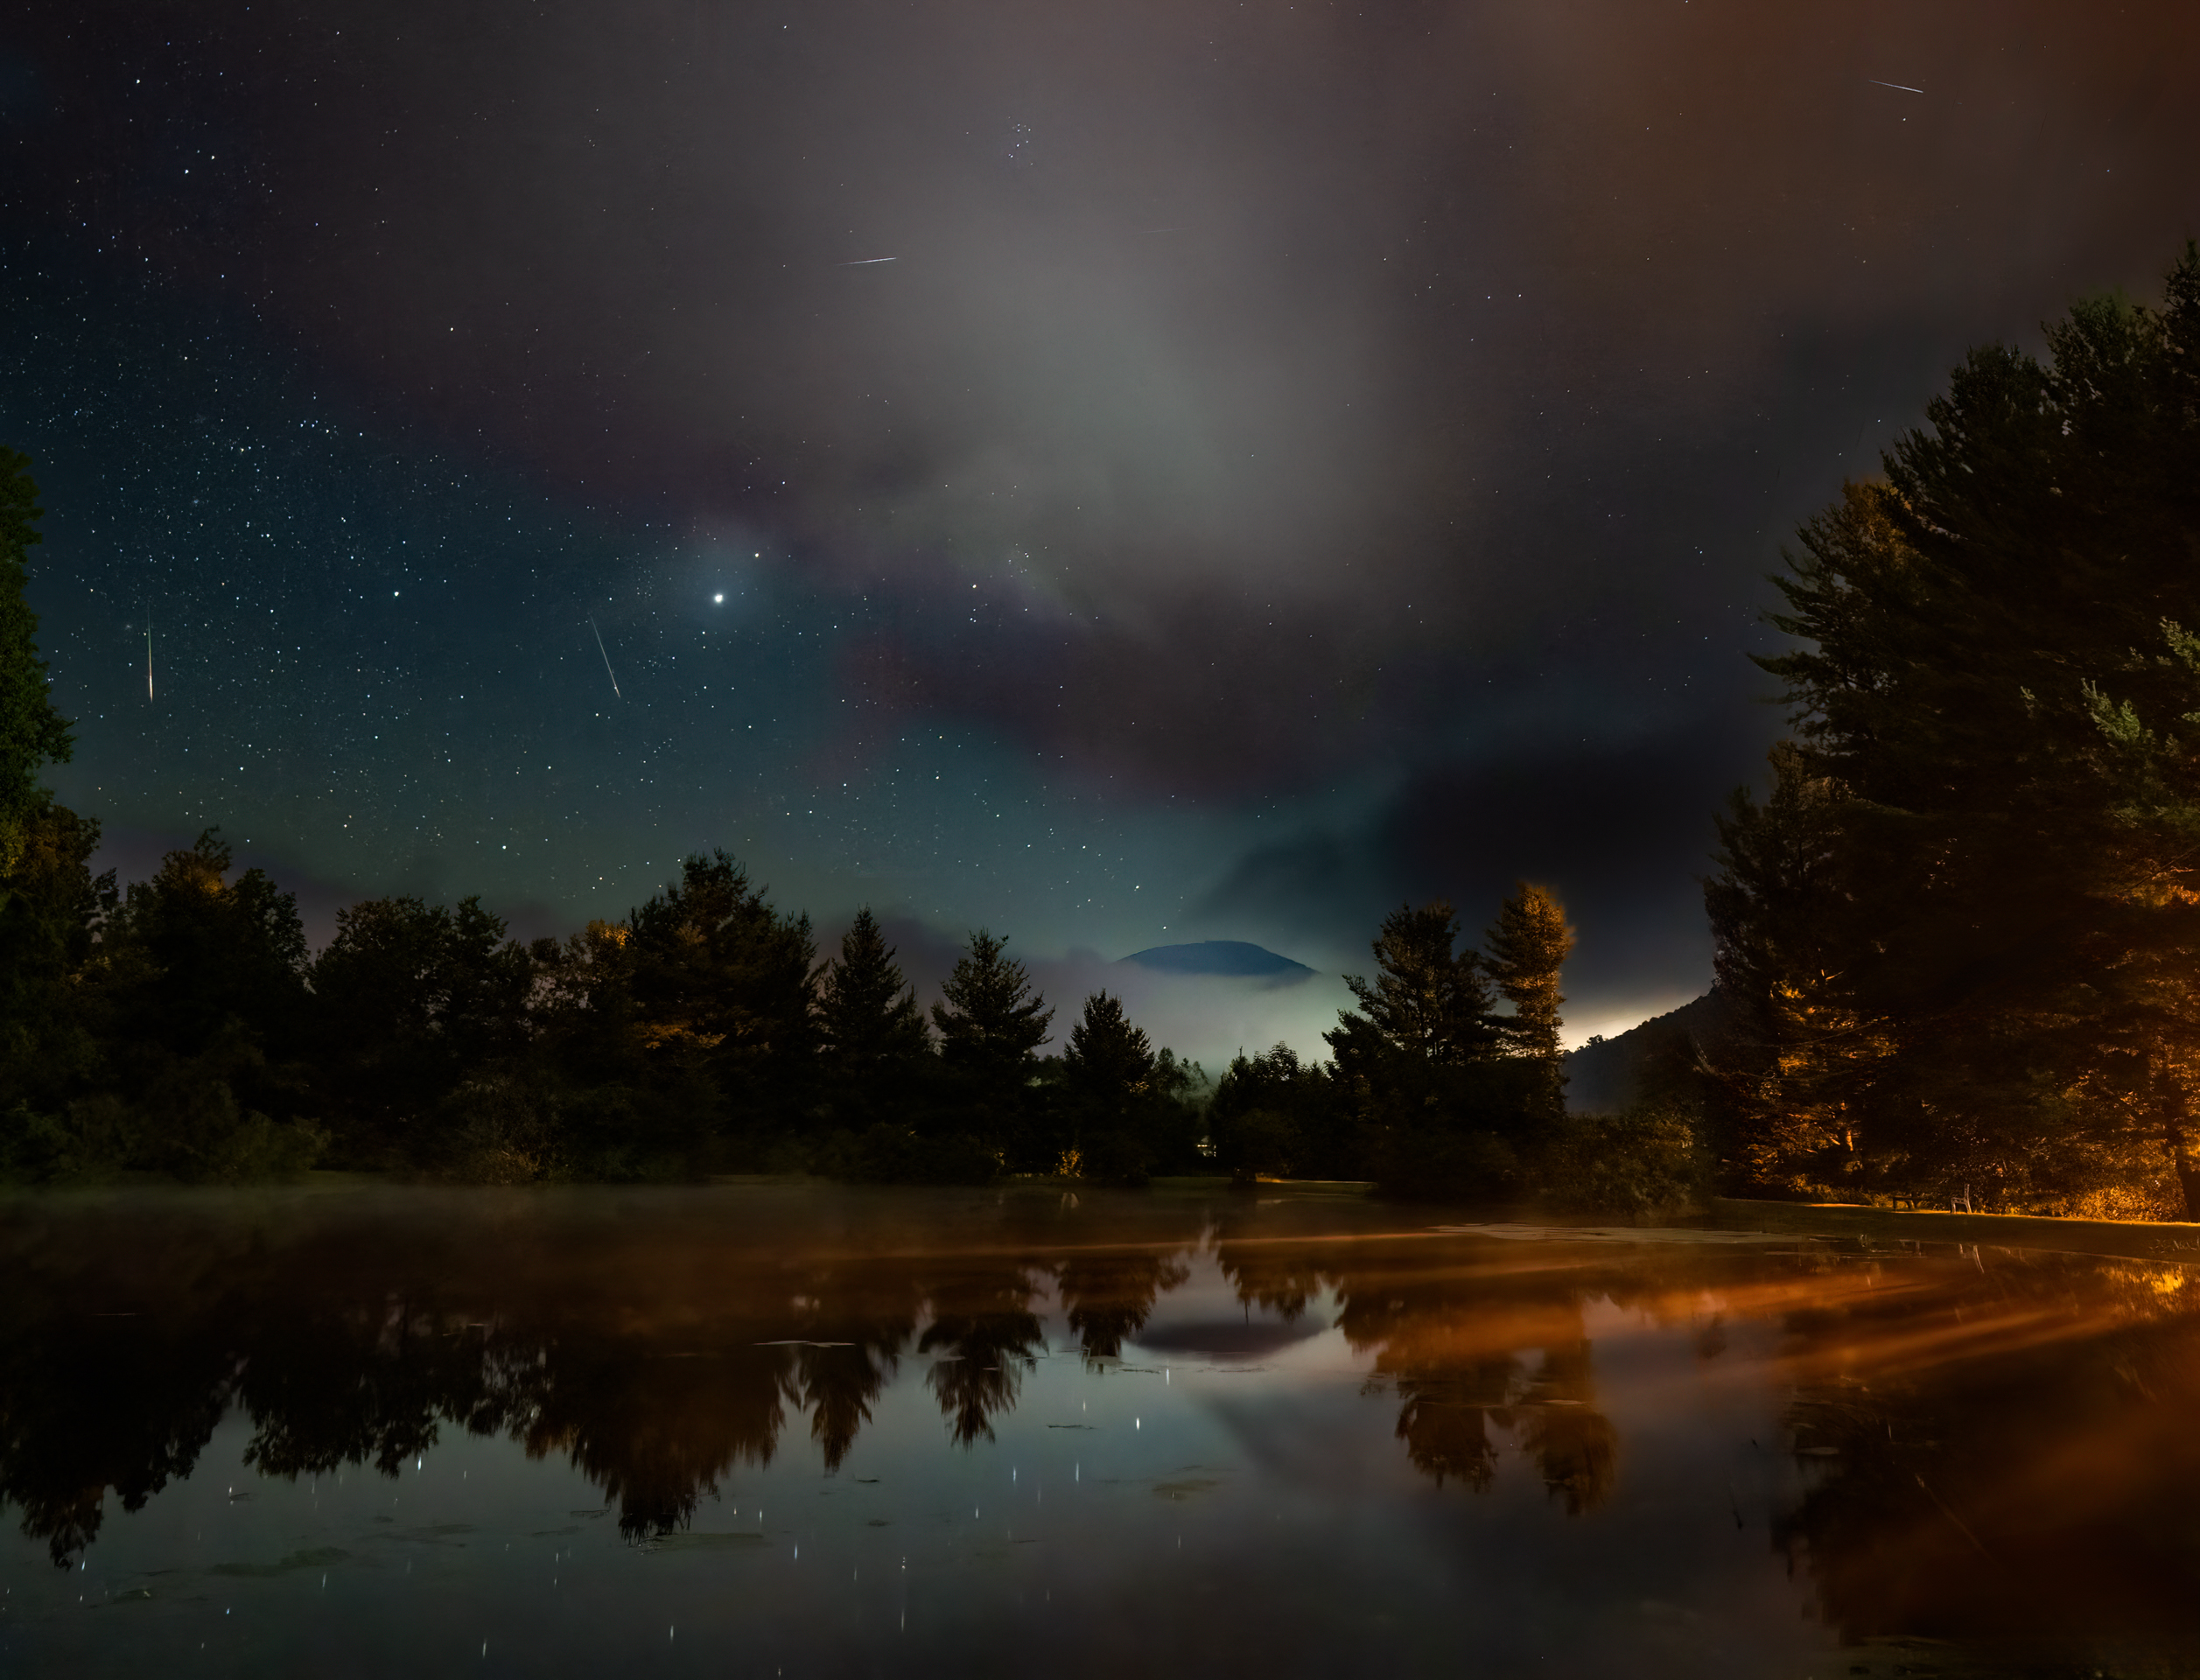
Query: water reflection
1991, 1448
1962, 1446
984, 1336
1107, 1295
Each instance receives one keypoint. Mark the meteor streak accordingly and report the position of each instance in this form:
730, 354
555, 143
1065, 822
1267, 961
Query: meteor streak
607, 670
1899, 87
149, 655
865, 262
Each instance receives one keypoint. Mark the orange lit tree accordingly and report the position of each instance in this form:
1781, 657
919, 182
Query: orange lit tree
1961, 929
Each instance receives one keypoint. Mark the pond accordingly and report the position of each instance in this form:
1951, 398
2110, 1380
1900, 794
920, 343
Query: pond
796, 1429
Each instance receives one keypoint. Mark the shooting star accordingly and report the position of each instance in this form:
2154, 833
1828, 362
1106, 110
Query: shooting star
607, 670
1899, 87
149, 655
865, 262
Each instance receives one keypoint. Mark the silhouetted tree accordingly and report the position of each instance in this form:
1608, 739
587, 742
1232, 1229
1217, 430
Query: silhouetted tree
869, 1030
1993, 661
1430, 1001
1419, 1064
1272, 1113
991, 1019
48, 900
51, 1051
409, 999
1801, 1046
693, 1013
1109, 1058
203, 981
992, 1023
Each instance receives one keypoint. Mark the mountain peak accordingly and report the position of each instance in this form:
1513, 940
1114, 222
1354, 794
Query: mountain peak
1222, 956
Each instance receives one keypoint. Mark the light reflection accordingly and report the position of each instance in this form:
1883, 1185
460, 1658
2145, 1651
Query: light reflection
1964, 1444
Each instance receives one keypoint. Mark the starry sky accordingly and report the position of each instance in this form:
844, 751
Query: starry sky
1117, 473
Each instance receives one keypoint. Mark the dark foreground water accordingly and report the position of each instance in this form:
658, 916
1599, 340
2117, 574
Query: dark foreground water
794, 1430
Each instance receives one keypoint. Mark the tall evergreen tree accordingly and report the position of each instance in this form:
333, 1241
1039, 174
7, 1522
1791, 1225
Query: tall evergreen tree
991, 1023
870, 1031
1429, 1001
1992, 677
1415, 1064
867, 1014
691, 1015
1527, 950
1109, 1058
1799, 1059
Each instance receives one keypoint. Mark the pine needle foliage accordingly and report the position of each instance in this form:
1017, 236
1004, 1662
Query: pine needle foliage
1963, 928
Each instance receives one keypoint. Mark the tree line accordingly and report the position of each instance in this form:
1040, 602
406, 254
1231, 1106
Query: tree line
1957, 939
181, 1025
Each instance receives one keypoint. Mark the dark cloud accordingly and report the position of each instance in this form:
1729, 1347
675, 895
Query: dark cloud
1376, 419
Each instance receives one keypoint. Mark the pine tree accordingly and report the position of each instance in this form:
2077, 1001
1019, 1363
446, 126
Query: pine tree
867, 1016
991, 1023
1989, 696
1428, 1001
1107, 1058
1527, 950
1802, 1050
1415, 1071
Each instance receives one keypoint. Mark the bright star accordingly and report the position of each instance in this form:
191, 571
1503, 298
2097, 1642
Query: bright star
720, 599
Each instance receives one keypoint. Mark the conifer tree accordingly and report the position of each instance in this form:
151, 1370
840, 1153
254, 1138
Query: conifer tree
1992, 697
1414, 1071
991, 1023
867, 1016
1528, 948
1428, 1001
1107, 1058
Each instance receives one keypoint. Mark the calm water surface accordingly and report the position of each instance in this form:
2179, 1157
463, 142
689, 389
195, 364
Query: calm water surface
779, 1430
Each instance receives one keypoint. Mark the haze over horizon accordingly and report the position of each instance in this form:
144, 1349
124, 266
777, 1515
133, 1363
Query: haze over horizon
1119, 476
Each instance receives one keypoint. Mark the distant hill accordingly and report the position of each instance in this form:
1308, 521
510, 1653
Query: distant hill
1222, 956
1633, 1066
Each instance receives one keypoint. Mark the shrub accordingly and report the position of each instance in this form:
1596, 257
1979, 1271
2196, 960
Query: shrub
1640, 1162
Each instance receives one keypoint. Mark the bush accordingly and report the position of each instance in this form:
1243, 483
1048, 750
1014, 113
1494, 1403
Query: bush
891, 1154
1640, 1162
92, 1141
501, 1130
1428, 1164
1115, 1158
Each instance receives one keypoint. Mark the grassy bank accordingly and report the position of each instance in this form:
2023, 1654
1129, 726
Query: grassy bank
2126, 1239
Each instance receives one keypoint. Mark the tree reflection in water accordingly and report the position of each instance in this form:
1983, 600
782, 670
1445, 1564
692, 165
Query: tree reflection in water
2001, 1444
1107, 1295
984, 1336
1448, 1340
1975, 1443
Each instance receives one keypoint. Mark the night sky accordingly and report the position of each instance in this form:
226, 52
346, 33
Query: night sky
1121, 472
